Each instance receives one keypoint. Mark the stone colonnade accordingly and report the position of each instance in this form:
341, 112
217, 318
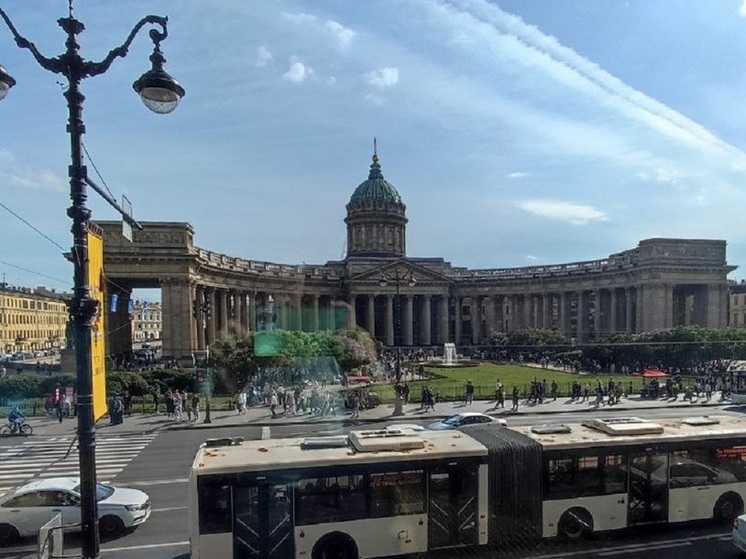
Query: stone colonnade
195, 315
584, 314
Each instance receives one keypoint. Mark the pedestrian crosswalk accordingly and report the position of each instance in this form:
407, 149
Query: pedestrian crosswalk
55, 457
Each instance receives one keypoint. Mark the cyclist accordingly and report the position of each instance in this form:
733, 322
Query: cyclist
16, 419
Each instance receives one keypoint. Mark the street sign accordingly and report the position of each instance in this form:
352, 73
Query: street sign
126, 225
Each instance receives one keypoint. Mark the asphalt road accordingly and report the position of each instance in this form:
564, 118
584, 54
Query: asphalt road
162, 470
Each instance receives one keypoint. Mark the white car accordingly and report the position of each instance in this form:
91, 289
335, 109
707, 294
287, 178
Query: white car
738, 535
24, 510
466, 418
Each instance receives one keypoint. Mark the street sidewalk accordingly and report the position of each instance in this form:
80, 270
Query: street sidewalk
259, 416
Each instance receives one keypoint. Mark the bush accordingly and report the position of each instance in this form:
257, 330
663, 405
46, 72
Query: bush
32, 386
135, 383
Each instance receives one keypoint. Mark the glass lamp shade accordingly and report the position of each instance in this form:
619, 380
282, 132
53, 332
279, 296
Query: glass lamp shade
6, 82
159, 91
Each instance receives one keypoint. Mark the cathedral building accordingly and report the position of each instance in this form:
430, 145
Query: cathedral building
405, 300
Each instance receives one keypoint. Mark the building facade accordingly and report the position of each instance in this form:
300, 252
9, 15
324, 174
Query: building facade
146, 321
403, 300
32, 319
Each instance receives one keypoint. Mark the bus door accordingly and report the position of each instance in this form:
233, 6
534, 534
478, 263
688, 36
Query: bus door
648, 488
452, 506
262, 520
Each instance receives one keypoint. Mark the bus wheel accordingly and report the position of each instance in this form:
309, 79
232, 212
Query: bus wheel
728, 508
335, 545
575, 524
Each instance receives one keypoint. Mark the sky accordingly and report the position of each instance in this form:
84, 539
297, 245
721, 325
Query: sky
518, 132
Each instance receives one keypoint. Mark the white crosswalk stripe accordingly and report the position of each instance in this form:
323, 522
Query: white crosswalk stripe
46, 458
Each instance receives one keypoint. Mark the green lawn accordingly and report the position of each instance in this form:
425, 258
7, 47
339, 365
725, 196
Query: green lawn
450, 383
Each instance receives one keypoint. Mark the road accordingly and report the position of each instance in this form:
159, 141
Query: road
161, 468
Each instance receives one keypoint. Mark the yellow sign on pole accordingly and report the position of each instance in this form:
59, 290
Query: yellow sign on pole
97, 285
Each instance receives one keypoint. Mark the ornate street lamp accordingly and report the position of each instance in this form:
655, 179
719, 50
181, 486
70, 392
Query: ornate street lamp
160, 93
398, 278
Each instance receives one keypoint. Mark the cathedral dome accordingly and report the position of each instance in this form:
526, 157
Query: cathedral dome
376, 187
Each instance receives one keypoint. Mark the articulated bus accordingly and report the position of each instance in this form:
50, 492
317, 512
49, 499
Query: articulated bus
387, 493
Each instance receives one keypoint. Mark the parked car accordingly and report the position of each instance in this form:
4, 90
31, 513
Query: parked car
466, 418
24, 510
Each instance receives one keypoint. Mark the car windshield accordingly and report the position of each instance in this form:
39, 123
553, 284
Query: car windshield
102, 491
453, 420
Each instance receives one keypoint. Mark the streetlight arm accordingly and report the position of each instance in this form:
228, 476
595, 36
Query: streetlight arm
96, 68
51, 64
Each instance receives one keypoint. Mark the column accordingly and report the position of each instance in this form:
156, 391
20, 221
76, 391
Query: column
597, 314
238, 320
564, 318
251, 313
350, 308
489, 316
613, 304
389, 326
425, 319
667, 305
331, 322
212, 318
408, 320
499, 320
457, 332
314, 312
640, 325
527, 310
199, 297
371, 315
223, 314
476, 320
629, 327
443, 329
546, 311
535, 305
178, 324
245, 315
582, 317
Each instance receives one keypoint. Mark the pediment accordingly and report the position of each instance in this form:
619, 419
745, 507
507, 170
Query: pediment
372, 272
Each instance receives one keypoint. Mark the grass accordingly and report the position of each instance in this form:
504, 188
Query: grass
449, 384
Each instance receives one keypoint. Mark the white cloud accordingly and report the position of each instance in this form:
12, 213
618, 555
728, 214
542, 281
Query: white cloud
263, 56
298, 72
576, 214
343, 34
510, 38
300, 18
532, 257
6, 156
516, 175
742, 9
383, 77
373, 99
33, 180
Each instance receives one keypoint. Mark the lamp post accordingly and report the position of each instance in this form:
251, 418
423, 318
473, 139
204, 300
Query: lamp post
160, 93
202, 311
398, 278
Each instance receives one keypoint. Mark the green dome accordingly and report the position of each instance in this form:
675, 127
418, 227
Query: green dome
376, 187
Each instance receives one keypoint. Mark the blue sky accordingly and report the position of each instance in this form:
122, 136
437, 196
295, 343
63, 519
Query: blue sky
518, 132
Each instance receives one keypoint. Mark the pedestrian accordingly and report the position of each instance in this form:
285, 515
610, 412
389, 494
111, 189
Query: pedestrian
554, 390
515, 398
195, 406
61, 407
469, 393
273, 402
177, 407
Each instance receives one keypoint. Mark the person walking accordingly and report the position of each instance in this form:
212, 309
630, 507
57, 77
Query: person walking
178, 413
515, 399
273, 402
195, 406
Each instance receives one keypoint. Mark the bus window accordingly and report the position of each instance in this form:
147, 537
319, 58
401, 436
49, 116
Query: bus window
214, 506
394, 494
585, 476
330, 499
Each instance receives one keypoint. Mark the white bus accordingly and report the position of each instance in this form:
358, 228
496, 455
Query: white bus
388, 493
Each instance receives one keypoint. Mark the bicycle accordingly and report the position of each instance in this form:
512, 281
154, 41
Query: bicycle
23, 430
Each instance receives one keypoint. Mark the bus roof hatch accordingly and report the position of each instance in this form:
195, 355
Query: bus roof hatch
375, 441
624, 426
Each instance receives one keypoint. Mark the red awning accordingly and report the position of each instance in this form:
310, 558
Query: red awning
651, 373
